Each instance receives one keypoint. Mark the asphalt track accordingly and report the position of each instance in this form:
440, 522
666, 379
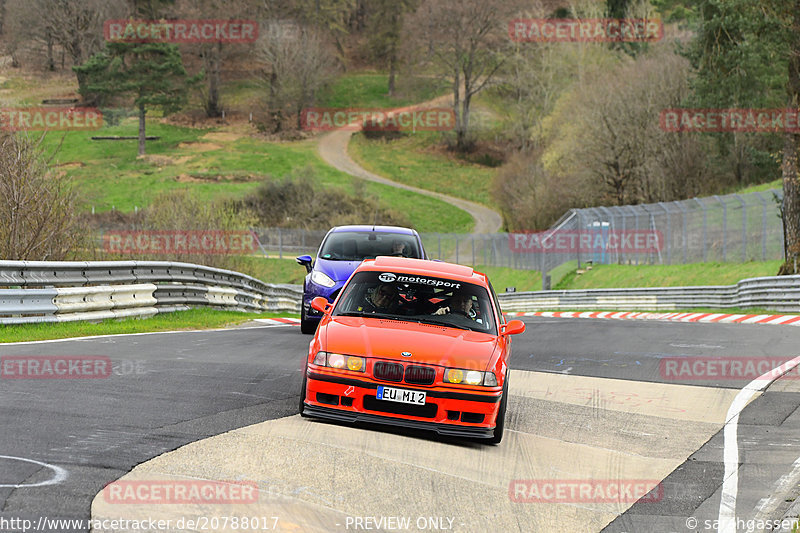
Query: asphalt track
589, 401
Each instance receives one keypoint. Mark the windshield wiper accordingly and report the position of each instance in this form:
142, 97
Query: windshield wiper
370, 315
438, 323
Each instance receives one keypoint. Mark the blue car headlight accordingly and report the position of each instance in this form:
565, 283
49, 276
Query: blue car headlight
320, 278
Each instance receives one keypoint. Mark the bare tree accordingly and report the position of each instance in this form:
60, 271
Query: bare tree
37, 217
215, 56
73, 26
465, 39
615, 133
299, 64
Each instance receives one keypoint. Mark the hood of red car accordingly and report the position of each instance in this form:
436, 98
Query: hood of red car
436, 345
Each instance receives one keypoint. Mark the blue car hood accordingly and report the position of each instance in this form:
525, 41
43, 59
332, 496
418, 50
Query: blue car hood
336, 270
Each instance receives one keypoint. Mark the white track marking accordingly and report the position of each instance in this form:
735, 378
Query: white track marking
766, 506
2, 344
730, 486
59, 474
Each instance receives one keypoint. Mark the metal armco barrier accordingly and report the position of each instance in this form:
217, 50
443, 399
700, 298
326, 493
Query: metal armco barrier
61, 291
779, 293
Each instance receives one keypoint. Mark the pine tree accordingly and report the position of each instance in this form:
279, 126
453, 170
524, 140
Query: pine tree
151, 73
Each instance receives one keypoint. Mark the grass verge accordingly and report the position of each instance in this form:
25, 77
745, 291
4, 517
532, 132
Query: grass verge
179, 320
625, 276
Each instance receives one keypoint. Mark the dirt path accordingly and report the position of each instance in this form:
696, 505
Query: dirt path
333, 149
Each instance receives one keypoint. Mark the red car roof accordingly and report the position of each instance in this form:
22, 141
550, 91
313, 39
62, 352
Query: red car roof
424, 267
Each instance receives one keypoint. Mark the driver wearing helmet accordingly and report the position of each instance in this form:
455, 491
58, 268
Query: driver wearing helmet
382, 299
460, 303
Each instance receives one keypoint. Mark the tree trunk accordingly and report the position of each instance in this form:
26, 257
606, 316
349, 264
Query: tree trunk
789, 166
51, 62
213, 108
392, 71
141, 129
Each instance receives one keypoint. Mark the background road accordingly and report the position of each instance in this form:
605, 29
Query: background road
587, 399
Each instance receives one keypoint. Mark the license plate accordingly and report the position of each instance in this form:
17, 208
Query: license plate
401, 395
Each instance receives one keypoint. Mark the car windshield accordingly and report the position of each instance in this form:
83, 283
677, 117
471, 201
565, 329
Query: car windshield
415, 298
360, 245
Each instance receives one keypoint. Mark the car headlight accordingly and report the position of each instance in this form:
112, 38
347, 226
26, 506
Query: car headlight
458, 376
341, 361
320, 278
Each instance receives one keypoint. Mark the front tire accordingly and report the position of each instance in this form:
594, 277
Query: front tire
500, 423
307, 327
303, 392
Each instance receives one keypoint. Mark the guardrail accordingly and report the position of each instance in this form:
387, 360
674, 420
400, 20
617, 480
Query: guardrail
779, 293
63, 291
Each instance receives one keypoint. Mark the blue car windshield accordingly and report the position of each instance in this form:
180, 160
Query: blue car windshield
360, 245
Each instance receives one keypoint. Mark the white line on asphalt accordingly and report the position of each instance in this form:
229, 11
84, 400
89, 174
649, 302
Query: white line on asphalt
730, 485
766, 506
2, 344
59, 474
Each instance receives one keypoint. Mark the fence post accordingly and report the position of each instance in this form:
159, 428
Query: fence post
724, 228
705, 229
580, 238
472, 240
683, 230
439, 235
763, 226
744, 227
669, 232
280, 244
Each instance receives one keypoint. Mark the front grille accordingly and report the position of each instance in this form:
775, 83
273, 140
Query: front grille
420, 375
388, 371
429, 410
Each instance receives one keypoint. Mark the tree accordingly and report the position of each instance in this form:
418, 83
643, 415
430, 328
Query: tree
76, 26
607, 130
298, 66
466, 37
37, 215
152, 73
385, 32
747, 54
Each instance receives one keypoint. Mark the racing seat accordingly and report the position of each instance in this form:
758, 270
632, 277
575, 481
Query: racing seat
350, 248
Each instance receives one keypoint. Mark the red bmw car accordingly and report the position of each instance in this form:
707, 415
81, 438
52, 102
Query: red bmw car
412, 343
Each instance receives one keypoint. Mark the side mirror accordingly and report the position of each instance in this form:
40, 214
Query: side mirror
512, 328
305, 260
320, 303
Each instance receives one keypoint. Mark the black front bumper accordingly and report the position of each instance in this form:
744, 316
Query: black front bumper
441, 429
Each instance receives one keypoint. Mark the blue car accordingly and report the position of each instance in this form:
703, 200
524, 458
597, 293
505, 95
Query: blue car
341, 251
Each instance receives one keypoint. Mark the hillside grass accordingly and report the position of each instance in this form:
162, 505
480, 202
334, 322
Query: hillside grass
417, 159
214, 165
